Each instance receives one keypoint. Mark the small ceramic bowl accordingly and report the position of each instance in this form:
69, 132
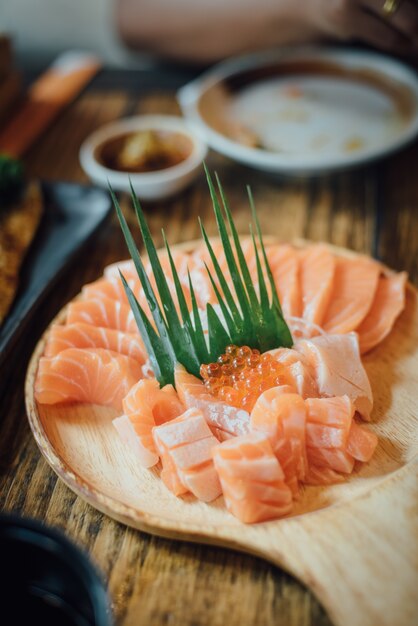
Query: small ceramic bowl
149, 185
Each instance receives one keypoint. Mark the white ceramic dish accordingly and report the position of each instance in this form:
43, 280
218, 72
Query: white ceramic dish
312, 109
154, 185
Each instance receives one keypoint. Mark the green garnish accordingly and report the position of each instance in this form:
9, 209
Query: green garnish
11, 176
250, 318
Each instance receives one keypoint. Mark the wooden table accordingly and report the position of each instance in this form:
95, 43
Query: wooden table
154, 581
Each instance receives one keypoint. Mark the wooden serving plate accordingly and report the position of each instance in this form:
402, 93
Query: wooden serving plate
354, 544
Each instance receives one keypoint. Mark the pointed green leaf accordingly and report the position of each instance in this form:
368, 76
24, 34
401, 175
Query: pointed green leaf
264, 299
232, 324
200, 338
146, 285
274, 295
160, 353
218, 336
170, 311
239, 287
241, 258
221, 278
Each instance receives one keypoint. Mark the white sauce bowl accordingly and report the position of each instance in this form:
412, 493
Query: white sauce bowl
148, 185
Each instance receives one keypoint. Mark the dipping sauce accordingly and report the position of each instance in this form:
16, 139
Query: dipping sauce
144, 151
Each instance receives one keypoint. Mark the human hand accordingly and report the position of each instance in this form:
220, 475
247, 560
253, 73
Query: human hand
370, 21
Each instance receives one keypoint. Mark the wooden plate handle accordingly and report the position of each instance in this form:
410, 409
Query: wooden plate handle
359, 558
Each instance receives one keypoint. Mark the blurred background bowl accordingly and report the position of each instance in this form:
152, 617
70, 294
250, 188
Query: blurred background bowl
304, 110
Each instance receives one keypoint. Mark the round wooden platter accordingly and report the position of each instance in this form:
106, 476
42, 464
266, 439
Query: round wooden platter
354, 544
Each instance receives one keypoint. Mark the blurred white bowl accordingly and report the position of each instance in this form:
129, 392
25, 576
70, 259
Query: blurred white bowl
155, 185
301, 111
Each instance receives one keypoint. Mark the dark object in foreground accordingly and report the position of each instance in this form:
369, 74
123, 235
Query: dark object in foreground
11, 177
48, 579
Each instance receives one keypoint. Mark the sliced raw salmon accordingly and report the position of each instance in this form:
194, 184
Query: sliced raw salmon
282, 417
192, 392
321, 476
361, 442
104, 312
338, 369
388, 303
87, 336
328, 421
185, 445
284, 261
355, 284
252, 479
317, 269
145, 406
333, 458
86, 375
297, 372
108, 288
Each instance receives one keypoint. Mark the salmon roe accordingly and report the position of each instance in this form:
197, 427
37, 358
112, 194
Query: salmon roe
241, 375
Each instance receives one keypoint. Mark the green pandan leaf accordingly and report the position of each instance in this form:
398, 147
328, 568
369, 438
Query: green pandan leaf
250, 316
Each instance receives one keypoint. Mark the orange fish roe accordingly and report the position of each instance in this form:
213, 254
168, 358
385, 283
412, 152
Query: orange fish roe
240, 376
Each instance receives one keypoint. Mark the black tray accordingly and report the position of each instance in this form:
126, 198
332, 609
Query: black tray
72, 213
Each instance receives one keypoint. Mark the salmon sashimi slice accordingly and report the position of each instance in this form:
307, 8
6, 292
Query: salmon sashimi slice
203, 482
220, 434
190, 427
192, 392
251, 512
251, 478
169, 475
112, 289
284, 261
388, 303
87, 336
338, 369
355, 284
135, 430
283, 417
317, 269
299, 376
361, 442
147, 395
328, 421
103, 312
86, 375
320, 436
145, 406
297, 372
185, 445
320, 476
332, 458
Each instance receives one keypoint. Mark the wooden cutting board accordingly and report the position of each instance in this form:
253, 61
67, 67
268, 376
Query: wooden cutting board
354, 544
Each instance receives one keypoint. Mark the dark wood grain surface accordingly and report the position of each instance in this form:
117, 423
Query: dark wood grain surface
154, 581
